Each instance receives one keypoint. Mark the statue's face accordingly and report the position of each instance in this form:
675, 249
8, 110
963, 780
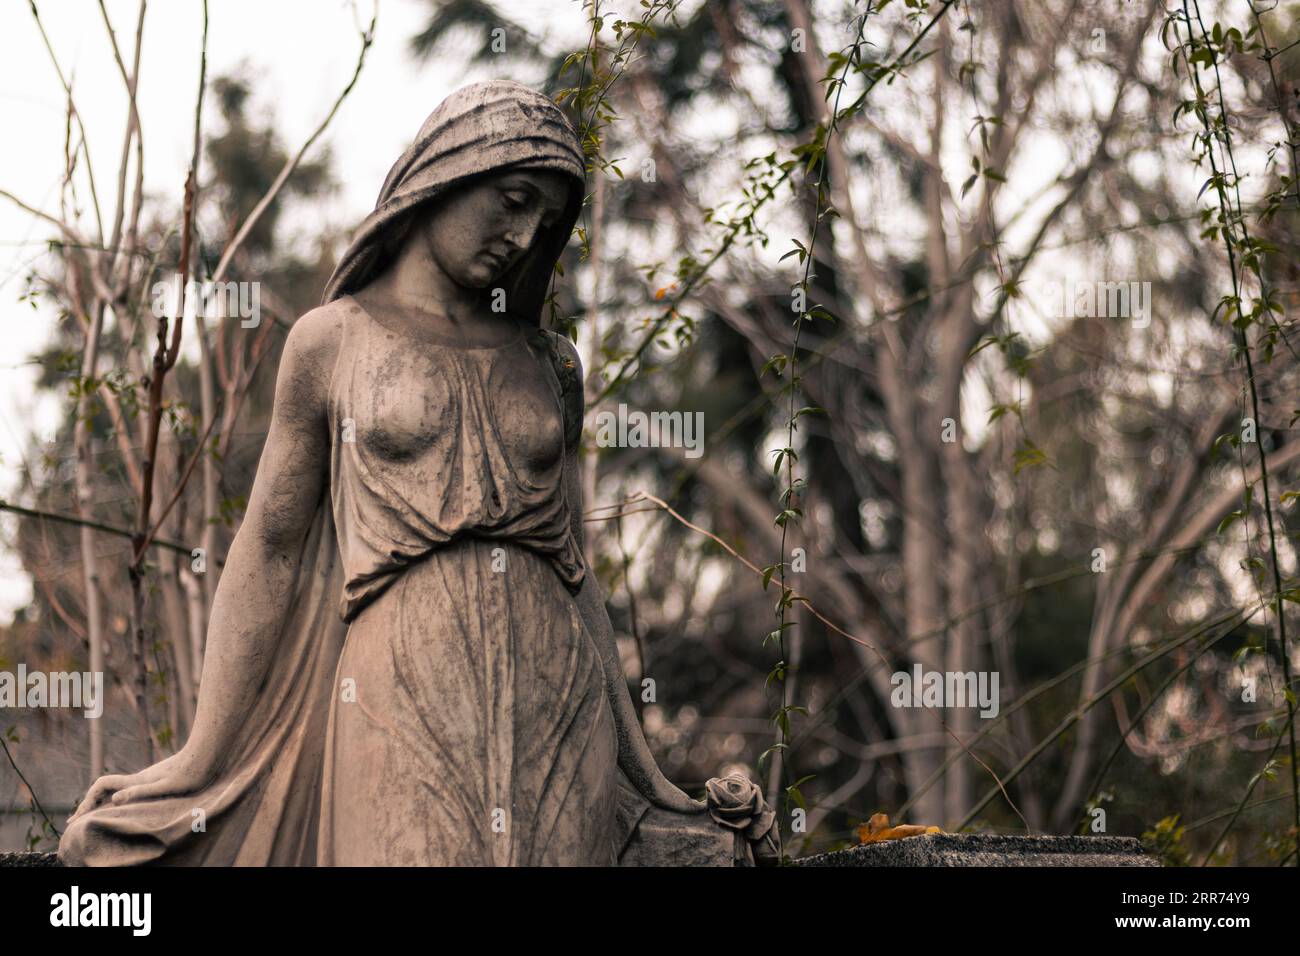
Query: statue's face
479, 233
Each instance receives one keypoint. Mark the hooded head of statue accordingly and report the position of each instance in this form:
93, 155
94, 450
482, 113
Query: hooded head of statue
483, 133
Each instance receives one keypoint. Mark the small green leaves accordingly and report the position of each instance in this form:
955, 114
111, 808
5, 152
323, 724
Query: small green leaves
776, 674
799, 250
775, 636
1165, 840
793, 793
999, 409
1229, 520
1029, 455
795, 487
776, 365
782, 455
787, 515
766, 755
1232, 438
782, 717
974, 177
1268, 772
792, 422
1270, 726
1243, 652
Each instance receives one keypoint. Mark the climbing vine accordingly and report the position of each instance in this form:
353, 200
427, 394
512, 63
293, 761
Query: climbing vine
1250, 306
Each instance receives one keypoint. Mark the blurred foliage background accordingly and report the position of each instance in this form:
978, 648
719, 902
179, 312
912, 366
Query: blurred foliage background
1071, 538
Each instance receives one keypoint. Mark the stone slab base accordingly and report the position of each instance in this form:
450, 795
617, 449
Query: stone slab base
664, 841
29, 859
986, 849
655, 844
669, 839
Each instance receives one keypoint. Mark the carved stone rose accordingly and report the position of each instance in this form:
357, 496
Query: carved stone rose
736, 802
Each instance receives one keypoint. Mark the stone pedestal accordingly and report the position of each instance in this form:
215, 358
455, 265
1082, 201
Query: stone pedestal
669, 839
663, 839
986, 849
29, 859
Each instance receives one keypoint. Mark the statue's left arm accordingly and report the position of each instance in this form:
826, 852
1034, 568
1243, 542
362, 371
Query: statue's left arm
634, 756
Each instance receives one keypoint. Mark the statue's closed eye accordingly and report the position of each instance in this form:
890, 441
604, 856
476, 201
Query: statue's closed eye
514, 200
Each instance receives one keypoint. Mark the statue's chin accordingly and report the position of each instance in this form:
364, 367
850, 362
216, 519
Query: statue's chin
479, 277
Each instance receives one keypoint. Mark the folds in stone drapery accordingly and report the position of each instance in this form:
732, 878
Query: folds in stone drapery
263, 806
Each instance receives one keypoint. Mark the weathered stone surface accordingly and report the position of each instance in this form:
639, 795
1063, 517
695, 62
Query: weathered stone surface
987, 849
29, 859
670, 839
663, 840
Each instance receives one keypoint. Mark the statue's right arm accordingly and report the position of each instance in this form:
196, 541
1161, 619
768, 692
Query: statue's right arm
256, 584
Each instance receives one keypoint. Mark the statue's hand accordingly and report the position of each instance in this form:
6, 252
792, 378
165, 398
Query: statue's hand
179, 773
660, 791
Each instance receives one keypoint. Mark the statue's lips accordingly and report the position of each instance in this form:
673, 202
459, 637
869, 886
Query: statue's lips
498, 260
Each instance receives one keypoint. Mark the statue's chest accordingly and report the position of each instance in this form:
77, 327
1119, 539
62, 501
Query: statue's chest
447, 406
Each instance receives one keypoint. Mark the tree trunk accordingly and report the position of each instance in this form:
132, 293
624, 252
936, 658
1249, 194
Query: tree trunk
85, 480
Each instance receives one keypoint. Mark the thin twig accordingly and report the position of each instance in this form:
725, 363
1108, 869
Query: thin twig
35, 801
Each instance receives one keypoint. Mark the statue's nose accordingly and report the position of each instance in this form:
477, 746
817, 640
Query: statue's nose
521, 234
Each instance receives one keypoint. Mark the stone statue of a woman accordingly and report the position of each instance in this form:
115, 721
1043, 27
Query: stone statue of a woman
408, 660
